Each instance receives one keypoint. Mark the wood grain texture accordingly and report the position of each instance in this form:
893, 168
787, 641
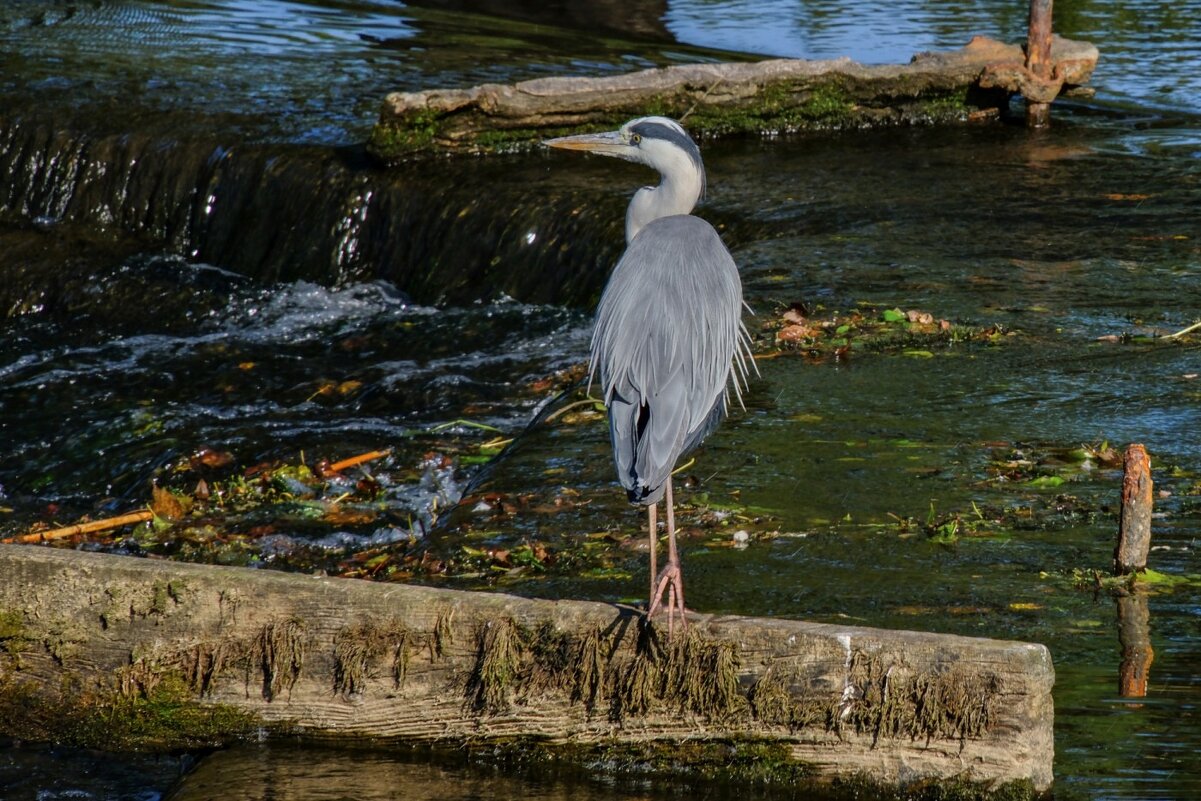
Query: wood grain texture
343, 658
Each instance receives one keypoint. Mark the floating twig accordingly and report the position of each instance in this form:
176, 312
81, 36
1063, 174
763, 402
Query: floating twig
1187, 330
684, 466
574, 404
461, 422
91, 527
354, 461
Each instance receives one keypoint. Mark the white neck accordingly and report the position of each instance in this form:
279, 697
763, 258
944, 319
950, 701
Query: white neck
677, 193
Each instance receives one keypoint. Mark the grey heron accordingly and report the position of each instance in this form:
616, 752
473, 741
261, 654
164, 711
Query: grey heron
669, 340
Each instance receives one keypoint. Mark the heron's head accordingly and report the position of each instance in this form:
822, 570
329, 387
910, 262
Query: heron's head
657, 142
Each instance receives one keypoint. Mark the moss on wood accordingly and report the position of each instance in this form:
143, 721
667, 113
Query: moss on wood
358, 649
143, 713
889, 699
768, 98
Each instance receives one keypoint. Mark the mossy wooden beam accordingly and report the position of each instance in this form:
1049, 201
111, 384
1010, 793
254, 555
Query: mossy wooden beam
764, 97
116, 651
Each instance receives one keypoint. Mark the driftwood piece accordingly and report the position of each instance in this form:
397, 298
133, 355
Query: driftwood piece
91, 527
114, 650
765, 97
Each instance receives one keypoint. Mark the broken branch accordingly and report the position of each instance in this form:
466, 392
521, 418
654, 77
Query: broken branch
355, 461
91, 527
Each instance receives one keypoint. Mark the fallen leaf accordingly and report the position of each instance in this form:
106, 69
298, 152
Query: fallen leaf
207, 457
165, 504
794, 333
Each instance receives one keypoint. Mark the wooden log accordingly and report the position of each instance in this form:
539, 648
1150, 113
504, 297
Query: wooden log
765, 97
120, 651
1134, 529
1038, 60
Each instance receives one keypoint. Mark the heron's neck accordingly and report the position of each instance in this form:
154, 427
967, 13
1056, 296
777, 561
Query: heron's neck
677, 193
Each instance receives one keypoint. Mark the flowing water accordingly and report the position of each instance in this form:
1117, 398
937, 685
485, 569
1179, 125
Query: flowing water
194, 253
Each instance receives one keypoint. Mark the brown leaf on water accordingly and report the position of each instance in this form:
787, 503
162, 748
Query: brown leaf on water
263, 470
1108, 456
166, 505
367, 486
439, 461
210, 458
346, 516
324, 388
1120, 196
795, 333
201, 493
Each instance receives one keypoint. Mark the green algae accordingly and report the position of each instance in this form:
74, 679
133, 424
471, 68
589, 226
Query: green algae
164, 717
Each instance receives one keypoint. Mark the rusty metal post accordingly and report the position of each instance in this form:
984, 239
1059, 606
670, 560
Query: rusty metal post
1134, 530
1038, 59
1134, 635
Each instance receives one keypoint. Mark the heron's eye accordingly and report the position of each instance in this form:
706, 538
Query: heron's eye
635, 138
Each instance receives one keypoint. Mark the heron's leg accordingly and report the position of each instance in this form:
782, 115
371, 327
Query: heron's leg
671, 581
652, 519
676, 584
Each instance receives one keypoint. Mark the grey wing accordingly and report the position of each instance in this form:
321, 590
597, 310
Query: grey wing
668, 336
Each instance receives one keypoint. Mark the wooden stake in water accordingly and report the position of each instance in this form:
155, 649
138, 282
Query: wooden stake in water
1038, 59
1134, 531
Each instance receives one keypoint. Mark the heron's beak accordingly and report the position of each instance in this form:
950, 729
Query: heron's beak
609, 143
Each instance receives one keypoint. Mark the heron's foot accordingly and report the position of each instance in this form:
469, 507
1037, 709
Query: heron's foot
669, 596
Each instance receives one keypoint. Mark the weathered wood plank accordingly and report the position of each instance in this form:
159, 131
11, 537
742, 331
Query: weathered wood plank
765, 97
86, 636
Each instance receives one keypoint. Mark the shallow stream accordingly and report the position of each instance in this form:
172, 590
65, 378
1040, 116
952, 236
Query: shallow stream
952, 488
